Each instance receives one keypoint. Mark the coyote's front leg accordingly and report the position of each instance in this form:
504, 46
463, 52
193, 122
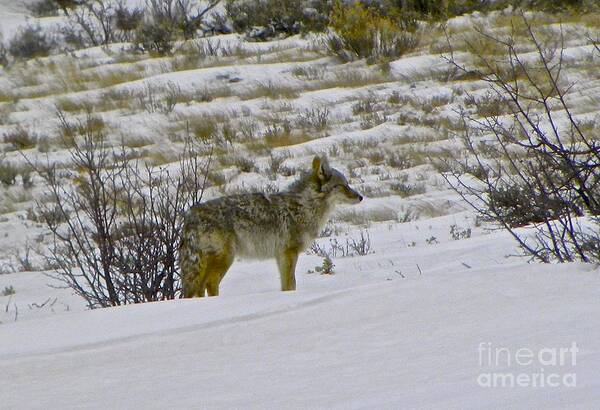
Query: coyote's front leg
286, 261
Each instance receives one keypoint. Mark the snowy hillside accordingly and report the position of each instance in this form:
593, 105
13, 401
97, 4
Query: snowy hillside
438, 309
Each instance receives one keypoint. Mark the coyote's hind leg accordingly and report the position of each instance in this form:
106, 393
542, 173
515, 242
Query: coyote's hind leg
217, 266
286, 262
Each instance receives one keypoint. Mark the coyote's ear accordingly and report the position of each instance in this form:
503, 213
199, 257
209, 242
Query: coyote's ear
321, 168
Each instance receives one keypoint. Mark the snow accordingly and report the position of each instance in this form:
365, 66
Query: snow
365, 337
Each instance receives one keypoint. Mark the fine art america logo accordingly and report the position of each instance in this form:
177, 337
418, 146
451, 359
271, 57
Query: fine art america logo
525, 367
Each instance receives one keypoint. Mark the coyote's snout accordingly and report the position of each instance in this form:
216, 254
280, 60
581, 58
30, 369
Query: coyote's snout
259, 225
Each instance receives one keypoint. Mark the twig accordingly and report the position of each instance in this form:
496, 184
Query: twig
8, 304
40, 306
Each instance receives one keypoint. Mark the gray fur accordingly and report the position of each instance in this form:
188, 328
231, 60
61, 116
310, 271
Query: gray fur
258, 225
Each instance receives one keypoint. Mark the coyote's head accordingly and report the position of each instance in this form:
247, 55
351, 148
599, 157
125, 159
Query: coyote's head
332, 183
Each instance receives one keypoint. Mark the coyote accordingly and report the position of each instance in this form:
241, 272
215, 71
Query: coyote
258, 225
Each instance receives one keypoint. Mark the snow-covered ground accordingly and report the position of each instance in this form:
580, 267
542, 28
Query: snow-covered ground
424, 320
403, 327
378, 333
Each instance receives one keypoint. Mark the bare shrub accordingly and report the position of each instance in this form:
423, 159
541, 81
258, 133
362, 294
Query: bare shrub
23, 259
154, 37
30, 42
361, 245
154, 26
372, 120
264, 19
117, 223
541, 168
20, 139
350, 247
365, 105
156, 98
458, 233
404, 189
360, 32
275, 163
50, 214
271, 90
103, 21
182, 16
399, 160
207, 47
314, 118
68, 5
44, 8
240, 161
3, 62
167, 20
309, 72
172, 96
8, 172
127, 20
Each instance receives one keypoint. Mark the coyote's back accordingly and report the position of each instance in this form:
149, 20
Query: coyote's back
258, 225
